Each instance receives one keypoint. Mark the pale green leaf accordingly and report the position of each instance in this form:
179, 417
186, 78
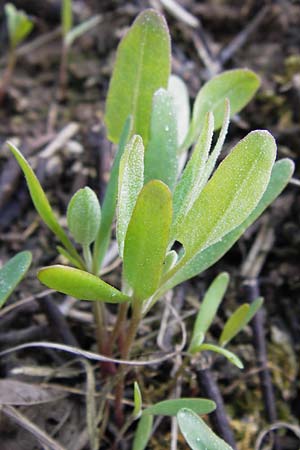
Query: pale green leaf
161, 152
142, 67
208, 309
197, 434
137, 400
170, 261
80, 284
171, 407
19, 24
131, 180
238, 86
81, 29
281, 174
41, 203
110, 201
230, 195
222, 351
142, 433
12, 273
179, 92
238, 320
84, 216
147, 239
190, 185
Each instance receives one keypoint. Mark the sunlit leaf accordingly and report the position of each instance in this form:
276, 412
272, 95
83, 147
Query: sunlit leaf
197, 434
84, 216
142, 67
230, 195
179, 92
110, 201
161, 152
131, 180
208, 309
41, 203
12, 273
171, 407
80, 284
238, 86
222, 351
137, 400
142, 433
147, 239
281, 174
170, 261
19, 24
190, 184
238, 320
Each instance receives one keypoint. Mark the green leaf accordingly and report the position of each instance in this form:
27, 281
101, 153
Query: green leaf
12, 273
230, 195
161, 152
143, 433
281, 174
142, 66
131, 180
66, 16
81, 29
171, 407
197, 434
147, 239
110, 201
41, 203
80, 284
222, 351
170, 261
84, 216
137, 400
208, 309
190, 185
19, 24
238, 86
238, 320
179, 92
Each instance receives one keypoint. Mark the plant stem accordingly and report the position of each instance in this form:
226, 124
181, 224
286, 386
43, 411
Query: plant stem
88, 258
6, 78
63, 72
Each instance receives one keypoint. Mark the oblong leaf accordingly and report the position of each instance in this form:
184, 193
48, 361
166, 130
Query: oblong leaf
131, 180
137, 400
142, 433
231, 194
222, 351
161, 152
142, 66
40, 201
281, 174
238, 85
171, 407
208, 309
180, 94
197, 434
80, 284
147, 239
238, 320
12, 273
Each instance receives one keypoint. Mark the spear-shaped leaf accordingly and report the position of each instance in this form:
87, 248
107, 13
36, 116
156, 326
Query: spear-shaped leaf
80, 284
142, 67
171, 407
143, 433
147, 239
12, 273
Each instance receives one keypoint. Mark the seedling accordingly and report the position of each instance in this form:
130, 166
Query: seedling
19, 26
70, 34
12, 273
159, 200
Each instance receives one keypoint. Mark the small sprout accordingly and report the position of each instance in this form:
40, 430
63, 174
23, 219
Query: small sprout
137, 401
84, 216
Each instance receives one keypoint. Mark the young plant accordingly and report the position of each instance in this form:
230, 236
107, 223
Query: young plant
19, 25
12, 273
159, 200
70, 34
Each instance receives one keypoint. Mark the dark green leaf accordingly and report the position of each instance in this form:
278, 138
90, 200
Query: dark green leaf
171, 407
142, 66
12, 273
80, 284
147, 239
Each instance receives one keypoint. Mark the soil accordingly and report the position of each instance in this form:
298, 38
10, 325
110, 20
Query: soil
263, 36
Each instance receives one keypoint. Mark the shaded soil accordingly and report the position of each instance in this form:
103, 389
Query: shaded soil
32, 116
